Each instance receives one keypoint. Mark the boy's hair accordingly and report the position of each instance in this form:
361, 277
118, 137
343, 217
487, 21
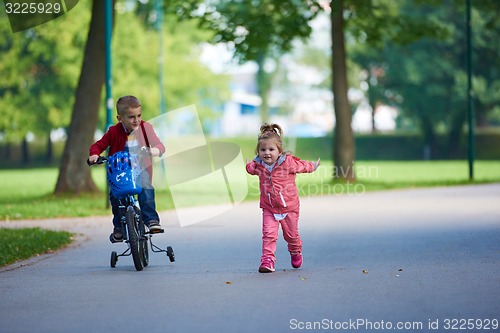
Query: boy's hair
270, 132
127, 102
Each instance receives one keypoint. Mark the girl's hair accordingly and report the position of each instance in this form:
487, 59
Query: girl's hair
270, 132
127, 102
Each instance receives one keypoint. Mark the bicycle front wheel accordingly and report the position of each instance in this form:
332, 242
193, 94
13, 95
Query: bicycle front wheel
143, 240
134, 238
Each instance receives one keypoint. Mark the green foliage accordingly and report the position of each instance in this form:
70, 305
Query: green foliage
135, 66
40, 68
380, 147
256, 27
27, 194
374, 22
257, 30
418, 64
19, 244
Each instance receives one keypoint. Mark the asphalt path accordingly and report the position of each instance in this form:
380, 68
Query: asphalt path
422, 260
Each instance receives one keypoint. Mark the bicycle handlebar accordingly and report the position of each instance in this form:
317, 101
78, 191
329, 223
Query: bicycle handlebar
102, 159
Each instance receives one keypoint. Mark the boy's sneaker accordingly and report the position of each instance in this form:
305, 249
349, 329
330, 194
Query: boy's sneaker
296, 259
116, 236
154, 227
266, 266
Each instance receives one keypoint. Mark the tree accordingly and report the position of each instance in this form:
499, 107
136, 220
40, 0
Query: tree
74, 175
259, 31
423, 65
134, 66
37, 78
343, 148
136, 70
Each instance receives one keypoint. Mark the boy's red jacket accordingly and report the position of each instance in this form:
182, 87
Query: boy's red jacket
278, 191
116, 138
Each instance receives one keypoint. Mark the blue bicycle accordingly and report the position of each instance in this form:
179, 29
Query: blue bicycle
123, 179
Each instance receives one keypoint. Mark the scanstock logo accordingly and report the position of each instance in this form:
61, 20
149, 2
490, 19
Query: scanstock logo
25, 14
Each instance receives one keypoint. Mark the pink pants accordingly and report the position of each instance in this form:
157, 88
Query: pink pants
290, 227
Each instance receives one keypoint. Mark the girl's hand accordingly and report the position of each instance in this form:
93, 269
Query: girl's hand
316, 164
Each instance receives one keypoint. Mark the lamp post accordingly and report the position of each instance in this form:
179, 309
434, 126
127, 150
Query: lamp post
108, 25
470, 106
159, 27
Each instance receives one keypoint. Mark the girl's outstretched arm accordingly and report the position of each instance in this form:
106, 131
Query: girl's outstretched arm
251, 166
299, 166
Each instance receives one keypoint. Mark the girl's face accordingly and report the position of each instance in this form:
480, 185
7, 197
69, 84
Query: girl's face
131, 119
268, 151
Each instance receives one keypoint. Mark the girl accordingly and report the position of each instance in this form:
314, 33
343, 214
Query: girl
279, 198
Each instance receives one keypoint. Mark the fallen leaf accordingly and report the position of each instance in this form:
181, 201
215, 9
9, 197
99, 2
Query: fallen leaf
365, 271
303, 279
229, 282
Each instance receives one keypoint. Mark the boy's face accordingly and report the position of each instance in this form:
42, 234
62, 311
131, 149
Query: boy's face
268, 151
131, 118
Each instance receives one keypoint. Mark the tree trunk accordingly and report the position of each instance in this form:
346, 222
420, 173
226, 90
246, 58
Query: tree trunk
8, 151
372, 101
455, 133
50, 150
25, 151
74, 174
343, 145
431, 147
263, 87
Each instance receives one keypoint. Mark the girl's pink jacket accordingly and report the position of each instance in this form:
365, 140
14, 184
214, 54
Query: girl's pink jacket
278, 191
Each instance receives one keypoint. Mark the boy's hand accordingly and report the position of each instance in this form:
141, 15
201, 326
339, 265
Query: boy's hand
155, 152
93, 158
318, 161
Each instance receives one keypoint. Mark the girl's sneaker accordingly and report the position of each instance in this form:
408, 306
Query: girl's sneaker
266, 266
296, 259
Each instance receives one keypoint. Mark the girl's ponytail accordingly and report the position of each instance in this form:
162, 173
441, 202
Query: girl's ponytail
273, 128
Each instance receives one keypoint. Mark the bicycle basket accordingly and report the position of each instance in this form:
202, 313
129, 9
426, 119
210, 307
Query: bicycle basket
123, 174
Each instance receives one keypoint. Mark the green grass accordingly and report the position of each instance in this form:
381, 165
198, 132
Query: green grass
385, 175
19, 244
27, 193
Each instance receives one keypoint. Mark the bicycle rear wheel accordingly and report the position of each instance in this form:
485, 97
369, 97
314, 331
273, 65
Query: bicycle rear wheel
134, 238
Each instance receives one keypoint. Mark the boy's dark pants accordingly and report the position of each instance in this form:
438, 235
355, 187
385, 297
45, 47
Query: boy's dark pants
146, 202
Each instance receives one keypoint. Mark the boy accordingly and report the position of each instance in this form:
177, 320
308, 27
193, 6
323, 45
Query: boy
124, 136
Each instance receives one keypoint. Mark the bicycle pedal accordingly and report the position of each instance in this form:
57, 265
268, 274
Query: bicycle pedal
114, 240
156, 231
